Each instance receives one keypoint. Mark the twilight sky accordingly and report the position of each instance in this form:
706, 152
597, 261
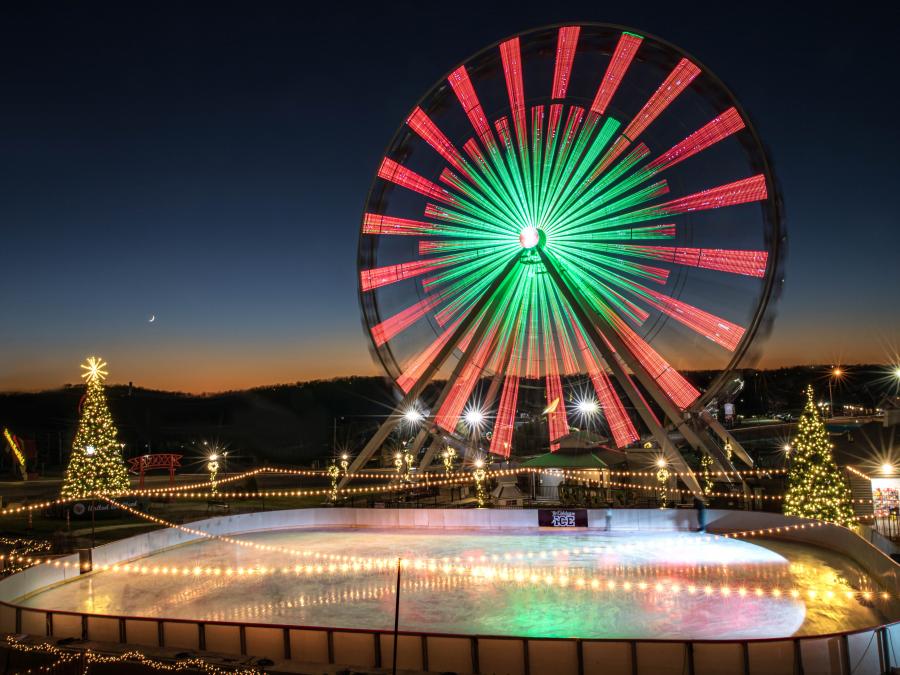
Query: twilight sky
209, 166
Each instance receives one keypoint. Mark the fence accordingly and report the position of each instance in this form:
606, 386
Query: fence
859, 652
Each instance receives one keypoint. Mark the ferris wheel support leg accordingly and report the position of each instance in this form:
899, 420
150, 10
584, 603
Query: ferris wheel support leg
380, 436
590, 321
725, 437
480, 330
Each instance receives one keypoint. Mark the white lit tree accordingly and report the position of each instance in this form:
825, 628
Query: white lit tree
96, 465
816, 487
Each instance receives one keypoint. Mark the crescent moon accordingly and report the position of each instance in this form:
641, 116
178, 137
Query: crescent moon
152, 318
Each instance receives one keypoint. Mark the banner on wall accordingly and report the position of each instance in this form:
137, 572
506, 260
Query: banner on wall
885, 496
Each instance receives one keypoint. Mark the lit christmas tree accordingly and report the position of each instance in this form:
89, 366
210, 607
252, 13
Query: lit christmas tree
816, 487
96, 464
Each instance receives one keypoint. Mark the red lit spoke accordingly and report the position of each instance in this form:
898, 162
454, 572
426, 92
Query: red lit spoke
400, 175
394, 325
682, 75
669, 380
708, 325
751, 189
419, 122
504, 424
748, 263
511, 56
414, 369
729, 122
465, 92
566, 45
615, 71
621, 428
383, 276
556, 420
448, 415
677, 81
374, 223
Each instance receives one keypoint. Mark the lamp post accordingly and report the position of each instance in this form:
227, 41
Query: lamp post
836, 373
479, 476
662, 476
89, 451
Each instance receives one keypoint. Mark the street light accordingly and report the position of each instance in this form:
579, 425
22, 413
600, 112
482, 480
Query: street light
836, 373
587, 408
413, 416
474, 418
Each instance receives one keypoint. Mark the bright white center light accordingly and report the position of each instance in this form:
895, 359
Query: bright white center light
887, 468
588, 406
529, 237
413, 416
474, 417
89, 450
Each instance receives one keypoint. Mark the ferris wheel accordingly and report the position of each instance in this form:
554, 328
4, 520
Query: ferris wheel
575, 203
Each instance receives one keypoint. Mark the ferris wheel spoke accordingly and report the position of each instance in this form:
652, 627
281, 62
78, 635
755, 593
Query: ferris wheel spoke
537, 152
591, 280
470, 219
717, 129
621, 59
478, 210
429, 132
619, 423
396, 324
581, 196
570, 138
732, 194
496, 185
678, 389
472, 264
462, 86
459, 387
389, 274
511, 57
657, 274
597, 218
514, 169
580, 162
465, 292
590, 197
374, 223
417, 365
566, 45
556, 304
400, 175
710, 326
557, 420
554, 119
505, 420
747, 263
677, 81
639, 233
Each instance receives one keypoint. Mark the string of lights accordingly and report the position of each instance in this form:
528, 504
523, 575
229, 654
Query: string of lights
88, 657
419, 481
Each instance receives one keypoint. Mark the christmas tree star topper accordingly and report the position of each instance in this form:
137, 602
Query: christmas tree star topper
94, 369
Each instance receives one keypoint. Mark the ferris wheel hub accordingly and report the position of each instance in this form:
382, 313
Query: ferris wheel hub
530, 237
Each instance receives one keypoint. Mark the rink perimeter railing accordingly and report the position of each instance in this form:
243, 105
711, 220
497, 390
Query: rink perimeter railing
857, 652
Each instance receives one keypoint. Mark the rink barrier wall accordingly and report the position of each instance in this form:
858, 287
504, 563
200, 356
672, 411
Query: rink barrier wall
872, 650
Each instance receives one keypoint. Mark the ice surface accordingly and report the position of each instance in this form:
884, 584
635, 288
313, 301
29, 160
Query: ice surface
531, 606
